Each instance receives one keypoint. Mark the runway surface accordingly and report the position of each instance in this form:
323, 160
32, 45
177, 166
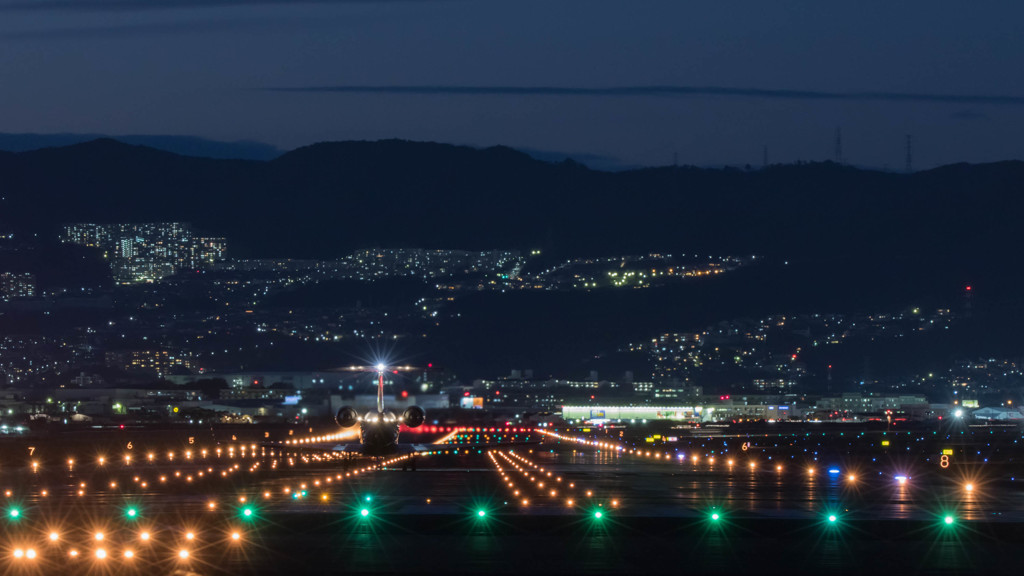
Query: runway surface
553, 507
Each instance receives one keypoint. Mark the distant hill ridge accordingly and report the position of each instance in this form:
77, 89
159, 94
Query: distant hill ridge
184, 145
328, 198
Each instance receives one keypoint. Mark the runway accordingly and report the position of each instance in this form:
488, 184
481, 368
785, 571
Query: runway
553, 507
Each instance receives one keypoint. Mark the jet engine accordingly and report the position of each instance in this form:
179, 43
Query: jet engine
413, 416
347, 417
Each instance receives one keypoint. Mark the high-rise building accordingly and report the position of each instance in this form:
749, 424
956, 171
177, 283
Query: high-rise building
17, 285
160, 361
147, 252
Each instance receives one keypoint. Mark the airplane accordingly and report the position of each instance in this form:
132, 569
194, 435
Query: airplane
378, 430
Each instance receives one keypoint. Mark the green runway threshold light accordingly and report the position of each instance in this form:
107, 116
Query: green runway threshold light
364, 512
131, 513
14, 513
481, 513
948, 520
598, 515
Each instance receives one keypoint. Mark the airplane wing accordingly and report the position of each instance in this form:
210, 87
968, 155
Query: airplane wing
410, 448
402, 448
461, 448
349, 448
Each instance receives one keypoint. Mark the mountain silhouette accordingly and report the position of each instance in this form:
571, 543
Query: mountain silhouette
326, 199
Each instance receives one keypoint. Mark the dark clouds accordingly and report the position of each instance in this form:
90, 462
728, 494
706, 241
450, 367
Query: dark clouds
670, 91
149, 5
136, 29
644, 82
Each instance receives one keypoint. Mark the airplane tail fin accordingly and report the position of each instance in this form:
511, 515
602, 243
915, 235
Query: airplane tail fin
380, 391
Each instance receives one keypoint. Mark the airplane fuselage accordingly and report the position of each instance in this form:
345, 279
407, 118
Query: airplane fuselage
378, 433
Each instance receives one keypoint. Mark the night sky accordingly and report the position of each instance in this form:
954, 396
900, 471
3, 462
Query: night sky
616, 82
